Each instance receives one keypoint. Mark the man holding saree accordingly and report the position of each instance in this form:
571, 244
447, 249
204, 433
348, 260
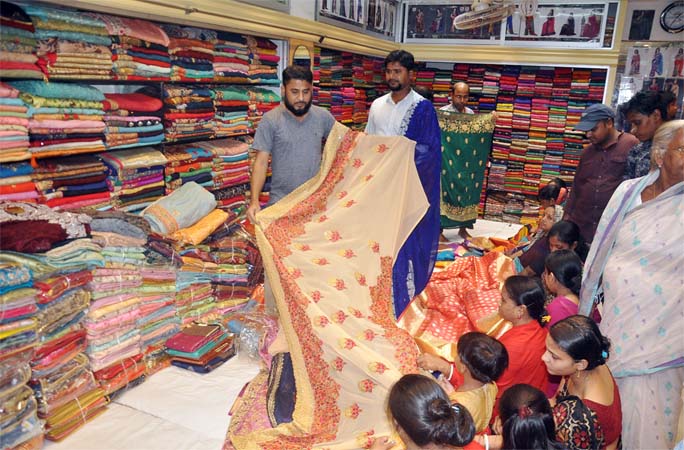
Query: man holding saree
403, 112
637, 264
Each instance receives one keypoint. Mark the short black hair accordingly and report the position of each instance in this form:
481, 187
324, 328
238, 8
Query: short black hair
549, 192
647, 102
402, 57
566, 266
527, 292
485, 357
295, 72
569, 233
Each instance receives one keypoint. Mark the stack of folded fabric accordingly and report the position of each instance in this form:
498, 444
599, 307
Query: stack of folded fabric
140, 49
264, 59
158, 319
14, 123
72, 182
231, 58
490, 89
425, 77
189, 112
262, 100
201, 348
16, 183
17, 44
230, 171
442, 88
14, 138
52, 130
194, 299
135, 177
71, 44
186, 163
192, 52
132, 120
18, 307
232, 104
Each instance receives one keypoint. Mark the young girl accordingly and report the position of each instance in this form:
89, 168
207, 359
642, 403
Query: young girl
562, 277
587, 405
562, 235
522, 304
424, 417
526, 421
481, 361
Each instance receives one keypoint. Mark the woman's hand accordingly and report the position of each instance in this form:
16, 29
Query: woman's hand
382, 443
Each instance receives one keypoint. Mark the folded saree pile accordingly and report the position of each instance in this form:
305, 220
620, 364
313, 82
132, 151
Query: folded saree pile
17, 300
132, 120
263, 62
31, 228
72, 182
17, 44
14, 132
232, 104
158, 319
201, 348
262, 100
121, 376
135, 177
71, 44
192, 52
19, 423
182, 208
230, 170
139, 48
231, 58
186, 163
189, 112
57, 132
195, 299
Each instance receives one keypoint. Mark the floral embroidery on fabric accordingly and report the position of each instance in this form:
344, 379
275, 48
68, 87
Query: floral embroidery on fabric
368, 334
353, 411
366, 385
295, 272
360, 278
321, 261
323, 218
347, 344
342, 195
339, 317
365, 439
321, 321
377, 367
368, 177
374, 246
338, 364
347, 253
355, 312
338, 284
350, 203
316, 296
333, 236
576, 424
357, 163
303, 247
382, 148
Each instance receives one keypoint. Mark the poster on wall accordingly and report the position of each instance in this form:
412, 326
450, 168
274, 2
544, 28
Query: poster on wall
428, 22
641, 24
568, 24
382, 17
352, 12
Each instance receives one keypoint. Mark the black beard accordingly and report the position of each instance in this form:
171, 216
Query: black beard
297, 112
395, 88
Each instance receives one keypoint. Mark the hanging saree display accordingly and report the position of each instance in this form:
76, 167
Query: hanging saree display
328, 249
466, 141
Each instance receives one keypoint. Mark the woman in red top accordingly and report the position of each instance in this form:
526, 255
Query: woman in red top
522, 304
587, 406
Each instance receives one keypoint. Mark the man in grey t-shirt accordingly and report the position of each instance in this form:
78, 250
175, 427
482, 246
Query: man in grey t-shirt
292, 135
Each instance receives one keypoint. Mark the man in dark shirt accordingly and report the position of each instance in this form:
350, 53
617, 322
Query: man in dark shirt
600, 169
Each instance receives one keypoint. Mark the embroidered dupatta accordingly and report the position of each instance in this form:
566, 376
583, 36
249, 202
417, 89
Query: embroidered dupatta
328, 249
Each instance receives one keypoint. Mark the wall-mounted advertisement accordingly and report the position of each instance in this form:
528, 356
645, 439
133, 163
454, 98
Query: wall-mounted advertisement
533, 23
377, 17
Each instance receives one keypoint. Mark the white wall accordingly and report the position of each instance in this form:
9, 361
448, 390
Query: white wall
657, 32
305, 9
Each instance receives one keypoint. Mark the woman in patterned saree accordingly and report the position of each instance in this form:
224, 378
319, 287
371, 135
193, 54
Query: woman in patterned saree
637, 264
328, 248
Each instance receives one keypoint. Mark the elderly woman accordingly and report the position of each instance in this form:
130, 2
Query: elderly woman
636, 262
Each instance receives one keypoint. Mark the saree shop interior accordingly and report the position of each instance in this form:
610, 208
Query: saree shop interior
140, 308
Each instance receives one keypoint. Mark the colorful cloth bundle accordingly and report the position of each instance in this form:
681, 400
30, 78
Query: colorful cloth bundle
189, 112
17, 44
232, 104
135, 177
18, 306
261, 101
230, 167
192, 52
132, 120
186, 163
158, 319
139, 48
263, 62
14, 132
71, 44
19, 423
201, 348
61, 135
231, 58
182, 208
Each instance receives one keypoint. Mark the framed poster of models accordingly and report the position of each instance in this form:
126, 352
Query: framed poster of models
383, 17
427, 22
377, 17
574, 24
350, 12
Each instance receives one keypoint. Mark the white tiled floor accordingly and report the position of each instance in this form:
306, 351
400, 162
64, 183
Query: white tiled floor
179, 409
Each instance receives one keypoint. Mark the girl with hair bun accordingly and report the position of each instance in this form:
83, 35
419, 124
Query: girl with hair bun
425, 418
562, 277
587, 405
527, 419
